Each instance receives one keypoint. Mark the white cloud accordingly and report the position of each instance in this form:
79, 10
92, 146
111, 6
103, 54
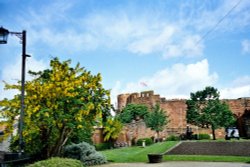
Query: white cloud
235, 92
171, 34
114, 92
241, 81
154, 42
175, 82
12, 72
120, 30
68, 40
46, 15
150, 32
187, 46
240, 88
143, 35
245, 46
51, 25
180, 80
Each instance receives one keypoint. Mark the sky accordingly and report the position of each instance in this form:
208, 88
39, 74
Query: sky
173, 47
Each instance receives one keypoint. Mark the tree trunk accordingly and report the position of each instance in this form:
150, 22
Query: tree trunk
158, 136
45, 133
213, 132
60, 142
64, 141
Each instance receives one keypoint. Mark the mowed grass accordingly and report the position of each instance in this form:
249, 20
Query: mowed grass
139, 154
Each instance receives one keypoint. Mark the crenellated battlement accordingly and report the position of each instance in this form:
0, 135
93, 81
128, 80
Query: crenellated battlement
146, 97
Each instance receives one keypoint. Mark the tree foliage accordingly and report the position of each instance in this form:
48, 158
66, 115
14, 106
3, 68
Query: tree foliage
157, 119
132, 111
59, 102
205, 110
112, 129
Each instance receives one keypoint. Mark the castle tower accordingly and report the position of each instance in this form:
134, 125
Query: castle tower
122, 101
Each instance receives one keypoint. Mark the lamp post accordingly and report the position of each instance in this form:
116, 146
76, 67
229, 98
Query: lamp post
3, 40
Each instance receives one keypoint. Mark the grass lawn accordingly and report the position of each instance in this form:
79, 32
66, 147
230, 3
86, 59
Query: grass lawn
139, 154
136, 153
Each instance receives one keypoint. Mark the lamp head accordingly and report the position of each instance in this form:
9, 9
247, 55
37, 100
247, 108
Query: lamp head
3, 35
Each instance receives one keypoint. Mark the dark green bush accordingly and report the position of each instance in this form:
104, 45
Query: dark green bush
103, 146
148, 141
58, 162
85, 153
203, 136
173, 138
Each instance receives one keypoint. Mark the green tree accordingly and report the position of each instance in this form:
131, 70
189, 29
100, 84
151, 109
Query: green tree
60, 102
204, 109
157, 119
132, 111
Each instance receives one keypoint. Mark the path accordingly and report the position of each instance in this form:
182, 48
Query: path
177, 164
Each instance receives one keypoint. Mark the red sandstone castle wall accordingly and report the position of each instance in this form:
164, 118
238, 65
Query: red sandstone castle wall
176, 110
238, 106
122, 101
241, 109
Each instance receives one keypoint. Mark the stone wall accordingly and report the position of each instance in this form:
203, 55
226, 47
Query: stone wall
176, 110
134, 131
97, 137
241, 109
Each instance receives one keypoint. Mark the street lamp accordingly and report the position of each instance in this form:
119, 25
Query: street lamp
3, 35
3, 40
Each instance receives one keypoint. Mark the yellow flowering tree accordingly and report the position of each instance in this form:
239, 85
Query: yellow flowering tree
112, 129
59, 102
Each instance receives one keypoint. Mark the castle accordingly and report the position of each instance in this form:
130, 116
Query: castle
176, 110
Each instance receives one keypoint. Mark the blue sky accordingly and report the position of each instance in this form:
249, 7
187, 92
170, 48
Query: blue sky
173, 47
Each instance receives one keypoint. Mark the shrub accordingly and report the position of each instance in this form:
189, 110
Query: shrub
203, 136
103, 146
173, 138
148, 141
85, 153
58, 162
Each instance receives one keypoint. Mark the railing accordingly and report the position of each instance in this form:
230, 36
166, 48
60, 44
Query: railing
14, 159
